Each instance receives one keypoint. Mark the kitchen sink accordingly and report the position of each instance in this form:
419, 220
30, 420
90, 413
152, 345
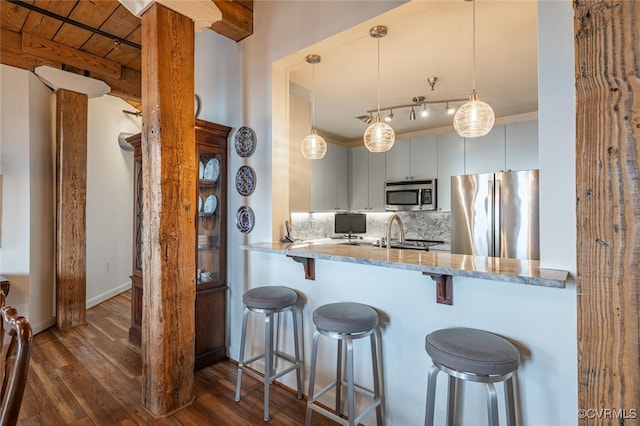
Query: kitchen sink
409, 244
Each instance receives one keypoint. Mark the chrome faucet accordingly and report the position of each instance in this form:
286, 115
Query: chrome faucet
395, 217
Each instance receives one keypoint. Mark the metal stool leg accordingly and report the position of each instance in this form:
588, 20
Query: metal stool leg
510, 402
241, 357
452, 401
377, 395
351, 403
431, 395
296, 344
339, 374
312, 378
268, 361
492, 404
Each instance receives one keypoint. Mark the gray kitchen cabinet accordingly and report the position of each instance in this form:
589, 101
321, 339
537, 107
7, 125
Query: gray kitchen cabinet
397, 161
424, 157
367, 180
330, 180
522, 145
450, 163
412, 159
486, 153
376, 181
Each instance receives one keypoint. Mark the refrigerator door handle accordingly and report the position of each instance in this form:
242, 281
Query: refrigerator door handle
496, 214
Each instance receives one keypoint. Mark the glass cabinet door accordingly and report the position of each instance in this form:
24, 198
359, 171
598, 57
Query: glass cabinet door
210, 184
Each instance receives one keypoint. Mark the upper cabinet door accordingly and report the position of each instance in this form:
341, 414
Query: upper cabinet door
342, 178
522, 145
330, 180
486, 154
423, 160
376, 181
359, 168
397, 161
450, 163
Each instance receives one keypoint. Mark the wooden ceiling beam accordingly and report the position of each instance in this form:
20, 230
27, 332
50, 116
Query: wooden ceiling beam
127, 86
237, 19
47, 49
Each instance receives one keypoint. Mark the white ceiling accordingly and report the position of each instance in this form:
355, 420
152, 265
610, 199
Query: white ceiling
427, 38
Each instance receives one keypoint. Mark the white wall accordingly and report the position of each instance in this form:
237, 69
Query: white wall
109, 198
26, 154
27, 161
541, 320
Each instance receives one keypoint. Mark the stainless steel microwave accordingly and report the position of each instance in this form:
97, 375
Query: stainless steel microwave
411, 195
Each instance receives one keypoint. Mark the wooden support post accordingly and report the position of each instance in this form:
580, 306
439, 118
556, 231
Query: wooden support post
71, 201
608, 202
169, 210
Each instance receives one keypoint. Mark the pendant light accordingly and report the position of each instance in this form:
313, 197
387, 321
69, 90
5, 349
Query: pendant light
379, 137
313, 147
475, 118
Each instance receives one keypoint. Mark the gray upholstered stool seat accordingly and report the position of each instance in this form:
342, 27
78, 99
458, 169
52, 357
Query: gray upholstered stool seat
271, 297
347, 321
472, 355
474, 351
270, 301
345, 317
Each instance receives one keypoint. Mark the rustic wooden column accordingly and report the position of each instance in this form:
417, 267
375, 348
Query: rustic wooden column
71, 201
608, 208
169, 209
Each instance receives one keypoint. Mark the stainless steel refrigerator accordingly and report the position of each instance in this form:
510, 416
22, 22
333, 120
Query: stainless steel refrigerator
496, 214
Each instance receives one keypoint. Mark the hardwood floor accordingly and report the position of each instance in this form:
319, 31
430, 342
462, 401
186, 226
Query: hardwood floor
91, 375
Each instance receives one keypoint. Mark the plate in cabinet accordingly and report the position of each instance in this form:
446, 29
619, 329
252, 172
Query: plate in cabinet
245, 180
245, 219
212, 170
245, 141
211, 204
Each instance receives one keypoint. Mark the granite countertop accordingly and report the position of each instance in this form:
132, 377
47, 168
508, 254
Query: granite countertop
430, 262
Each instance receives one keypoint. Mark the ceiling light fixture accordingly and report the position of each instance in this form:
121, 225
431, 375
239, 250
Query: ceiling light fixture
379, 136
475, 118
313, 147
389, 116
369, 119
416, 102
449, 109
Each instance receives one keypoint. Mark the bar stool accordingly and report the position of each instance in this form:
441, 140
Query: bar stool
270, 300
473, 355
347, 322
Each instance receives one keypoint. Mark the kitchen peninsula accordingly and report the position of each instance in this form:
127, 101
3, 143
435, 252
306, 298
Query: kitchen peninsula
440, 266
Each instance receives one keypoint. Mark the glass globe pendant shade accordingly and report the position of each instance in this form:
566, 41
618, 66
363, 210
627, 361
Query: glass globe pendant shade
379, 137
474, 119
313, 146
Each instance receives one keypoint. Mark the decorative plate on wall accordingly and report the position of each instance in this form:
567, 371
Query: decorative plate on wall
245, 180
245, 219
245, 141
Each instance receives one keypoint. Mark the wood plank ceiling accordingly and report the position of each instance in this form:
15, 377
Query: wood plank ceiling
99, 39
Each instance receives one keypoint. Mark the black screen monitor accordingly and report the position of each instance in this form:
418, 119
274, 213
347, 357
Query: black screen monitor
350, 223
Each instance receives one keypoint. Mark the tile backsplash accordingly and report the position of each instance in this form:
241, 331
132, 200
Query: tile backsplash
417, 225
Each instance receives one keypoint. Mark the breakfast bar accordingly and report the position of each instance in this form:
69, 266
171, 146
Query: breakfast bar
442, 267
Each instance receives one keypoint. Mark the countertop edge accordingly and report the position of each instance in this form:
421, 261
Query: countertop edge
553, 278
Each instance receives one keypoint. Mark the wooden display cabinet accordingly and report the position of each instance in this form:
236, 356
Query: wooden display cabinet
211, 253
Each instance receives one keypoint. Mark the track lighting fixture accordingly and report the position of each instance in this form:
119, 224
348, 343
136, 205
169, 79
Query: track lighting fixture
389, 116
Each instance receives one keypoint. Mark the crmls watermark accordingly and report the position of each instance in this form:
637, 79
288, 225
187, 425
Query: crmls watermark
607, 413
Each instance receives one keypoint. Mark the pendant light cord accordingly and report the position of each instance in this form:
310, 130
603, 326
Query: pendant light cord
378, 76
313, 96
473, 67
